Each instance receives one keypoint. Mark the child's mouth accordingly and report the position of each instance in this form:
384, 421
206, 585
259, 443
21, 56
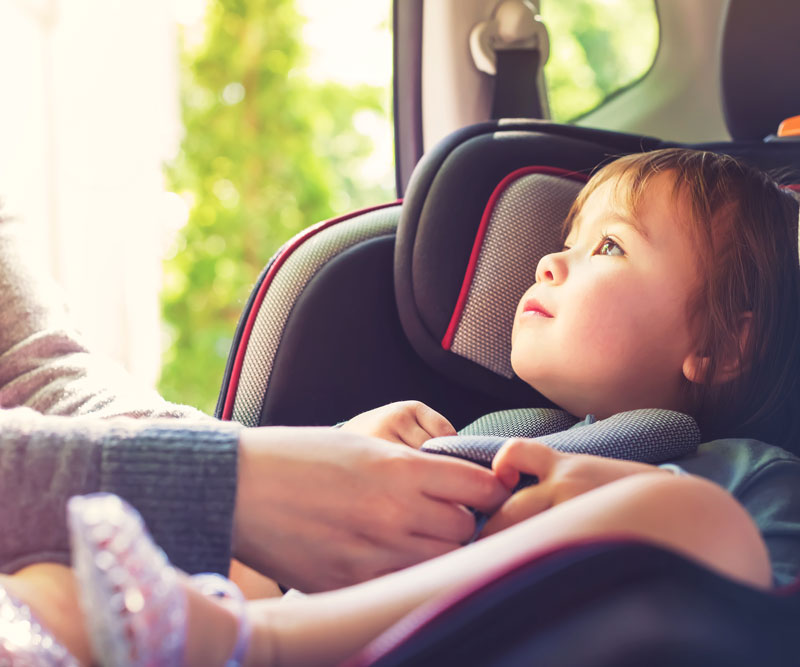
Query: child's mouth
534, 308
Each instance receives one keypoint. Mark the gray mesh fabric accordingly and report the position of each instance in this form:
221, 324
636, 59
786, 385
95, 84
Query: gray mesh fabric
287, 285
524, 226
648, 436
476, 448
523, 422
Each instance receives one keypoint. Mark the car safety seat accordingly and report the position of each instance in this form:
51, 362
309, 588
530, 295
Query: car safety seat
377, 305
415, 299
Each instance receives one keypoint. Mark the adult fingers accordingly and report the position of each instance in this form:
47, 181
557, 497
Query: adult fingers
523, 504
444, 521
523, 456
459, 481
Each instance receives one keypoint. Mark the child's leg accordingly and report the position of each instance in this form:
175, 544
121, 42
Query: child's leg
253, 584
50, 592
686, 514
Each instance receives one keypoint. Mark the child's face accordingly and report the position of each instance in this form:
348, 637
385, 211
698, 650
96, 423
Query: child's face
605, 327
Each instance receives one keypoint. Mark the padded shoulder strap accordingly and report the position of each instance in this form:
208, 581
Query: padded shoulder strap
647, 436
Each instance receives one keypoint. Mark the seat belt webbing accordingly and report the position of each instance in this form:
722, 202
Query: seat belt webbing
516, 94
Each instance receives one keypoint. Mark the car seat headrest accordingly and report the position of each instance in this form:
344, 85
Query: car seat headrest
760, 77
521, 223
481, 209
478, 215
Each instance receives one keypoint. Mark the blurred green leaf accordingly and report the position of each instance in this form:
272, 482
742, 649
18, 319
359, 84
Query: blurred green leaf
266, 153
597, 47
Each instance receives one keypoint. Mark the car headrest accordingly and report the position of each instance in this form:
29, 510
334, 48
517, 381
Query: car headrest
760, 76
480, 211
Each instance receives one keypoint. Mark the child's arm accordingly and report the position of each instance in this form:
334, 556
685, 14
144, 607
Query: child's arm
696, 530
561, 477
406, 422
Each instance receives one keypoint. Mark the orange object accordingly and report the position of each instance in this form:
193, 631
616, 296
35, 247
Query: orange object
789, 127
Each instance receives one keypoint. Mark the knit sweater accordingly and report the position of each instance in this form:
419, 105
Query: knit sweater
73, 423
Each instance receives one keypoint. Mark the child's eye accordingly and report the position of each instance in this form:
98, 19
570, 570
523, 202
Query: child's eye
609, 247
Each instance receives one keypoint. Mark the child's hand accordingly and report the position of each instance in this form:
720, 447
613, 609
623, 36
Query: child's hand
561, 477
407, 422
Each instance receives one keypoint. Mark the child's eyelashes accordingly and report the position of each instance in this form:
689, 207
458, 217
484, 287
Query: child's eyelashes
608, 246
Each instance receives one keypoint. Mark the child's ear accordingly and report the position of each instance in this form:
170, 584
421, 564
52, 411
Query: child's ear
696, 366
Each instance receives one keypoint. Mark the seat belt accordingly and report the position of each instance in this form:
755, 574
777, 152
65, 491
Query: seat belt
516, 94
513, 46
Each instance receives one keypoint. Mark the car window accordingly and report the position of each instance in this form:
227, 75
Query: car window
286, 123
597, 47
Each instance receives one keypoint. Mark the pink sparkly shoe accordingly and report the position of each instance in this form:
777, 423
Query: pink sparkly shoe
134, 604
25, 643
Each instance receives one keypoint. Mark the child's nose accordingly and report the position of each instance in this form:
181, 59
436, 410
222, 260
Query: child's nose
551, 268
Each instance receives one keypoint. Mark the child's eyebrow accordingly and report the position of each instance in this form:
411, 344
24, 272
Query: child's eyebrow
616, 216
626, 219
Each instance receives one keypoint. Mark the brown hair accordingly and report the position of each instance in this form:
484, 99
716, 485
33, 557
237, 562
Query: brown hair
745, 230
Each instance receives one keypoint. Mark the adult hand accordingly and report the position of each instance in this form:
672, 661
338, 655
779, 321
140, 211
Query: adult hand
561, 477
406, 422
318, 509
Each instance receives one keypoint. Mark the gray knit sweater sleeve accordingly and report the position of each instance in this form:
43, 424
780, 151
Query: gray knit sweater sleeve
71, 423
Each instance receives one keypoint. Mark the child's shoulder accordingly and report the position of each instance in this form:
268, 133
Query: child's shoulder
738, 462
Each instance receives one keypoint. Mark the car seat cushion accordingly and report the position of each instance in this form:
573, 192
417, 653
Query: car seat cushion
521, 223
275, 296
644, 435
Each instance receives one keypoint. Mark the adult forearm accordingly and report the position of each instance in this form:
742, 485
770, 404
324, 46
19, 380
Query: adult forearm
181, 475
44, 364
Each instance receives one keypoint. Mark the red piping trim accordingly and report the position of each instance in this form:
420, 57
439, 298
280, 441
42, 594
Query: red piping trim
796, 188
450, 334
295, 243
787, 590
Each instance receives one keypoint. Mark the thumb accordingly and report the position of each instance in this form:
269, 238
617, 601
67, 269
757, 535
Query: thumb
518, 456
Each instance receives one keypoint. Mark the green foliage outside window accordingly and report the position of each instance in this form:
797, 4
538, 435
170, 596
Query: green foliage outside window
597, 47
266, 153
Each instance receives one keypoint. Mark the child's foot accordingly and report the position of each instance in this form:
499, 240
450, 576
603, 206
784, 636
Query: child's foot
138, 608
24, 642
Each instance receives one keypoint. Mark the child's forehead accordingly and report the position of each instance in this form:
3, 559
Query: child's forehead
628, 190
616, 194
630, 196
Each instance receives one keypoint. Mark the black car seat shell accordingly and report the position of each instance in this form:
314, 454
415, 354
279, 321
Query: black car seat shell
416, 300
650, 607
377, 316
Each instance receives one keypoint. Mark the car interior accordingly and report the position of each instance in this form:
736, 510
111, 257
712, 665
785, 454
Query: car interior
414, 299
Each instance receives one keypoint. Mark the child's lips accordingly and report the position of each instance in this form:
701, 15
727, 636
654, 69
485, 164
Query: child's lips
535, 309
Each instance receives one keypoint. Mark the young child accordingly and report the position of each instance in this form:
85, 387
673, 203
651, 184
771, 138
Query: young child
677, 288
